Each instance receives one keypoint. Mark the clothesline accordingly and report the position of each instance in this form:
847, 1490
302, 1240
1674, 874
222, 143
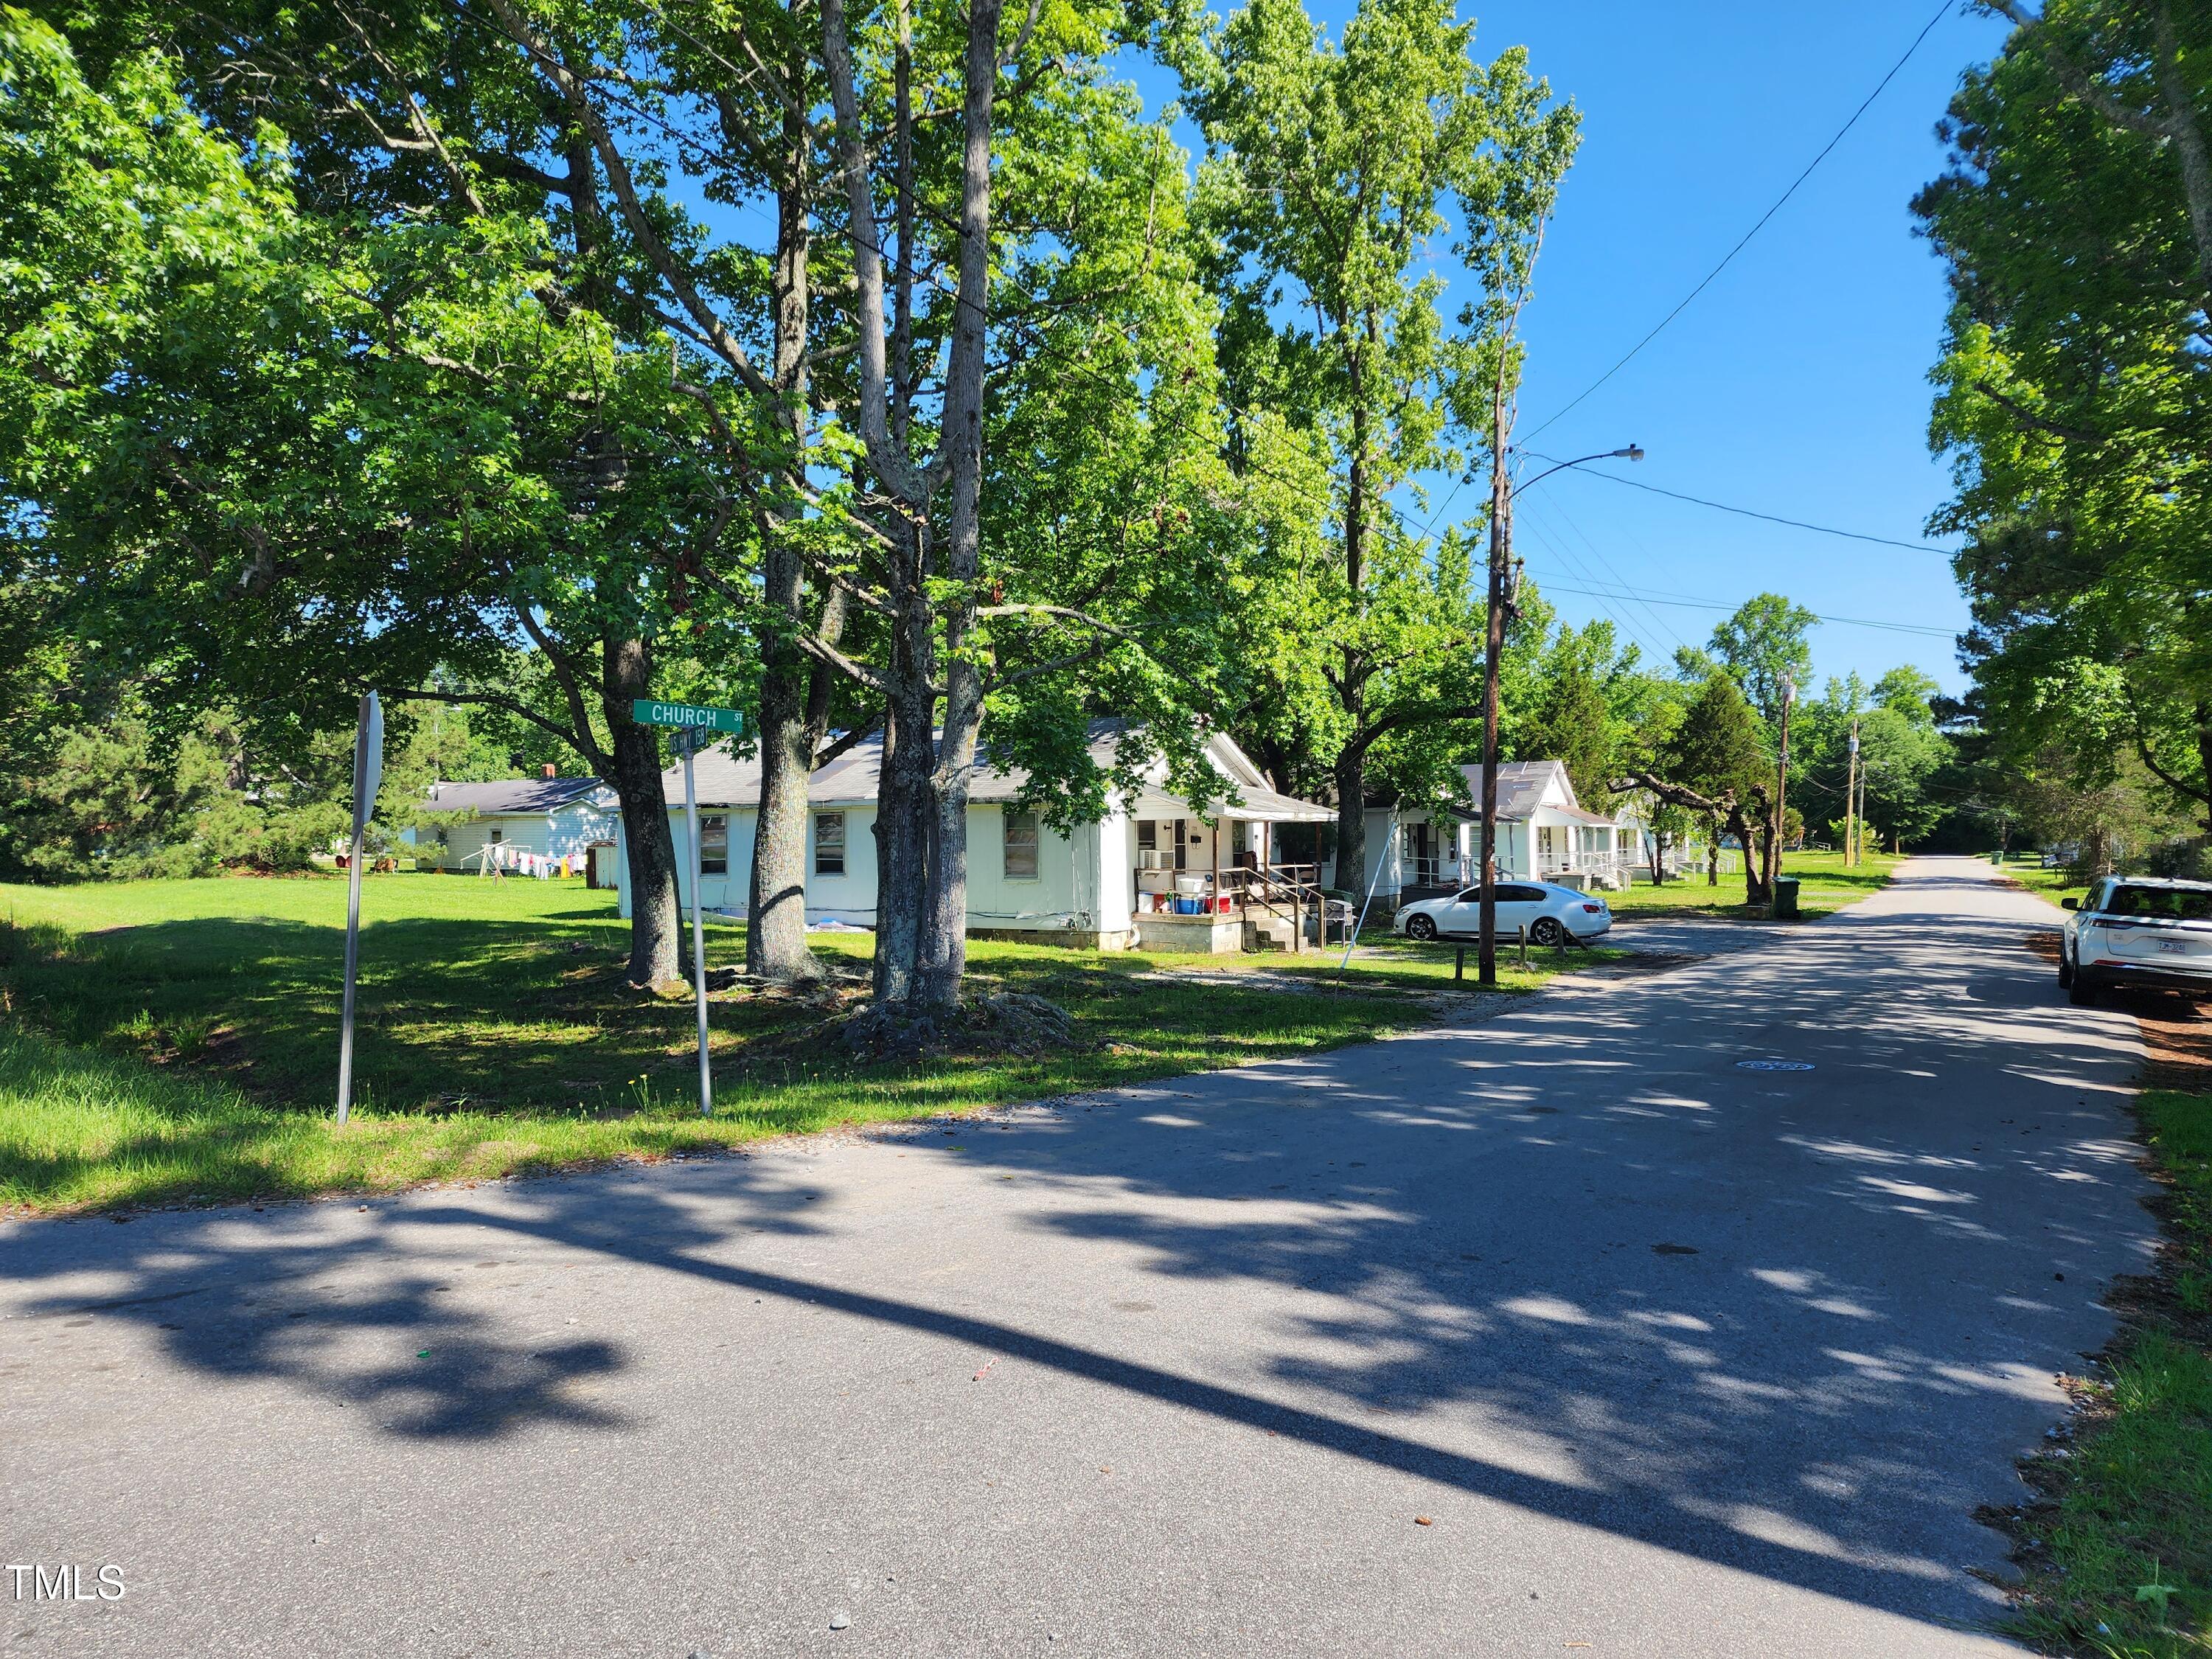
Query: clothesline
497, 858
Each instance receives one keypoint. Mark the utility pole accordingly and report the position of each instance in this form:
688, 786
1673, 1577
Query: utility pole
1781, 782
1851, 802
1503, 606
1858, 840
1501, 550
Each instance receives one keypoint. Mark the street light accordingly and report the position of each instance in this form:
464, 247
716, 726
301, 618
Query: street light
1633, 453
1502, 492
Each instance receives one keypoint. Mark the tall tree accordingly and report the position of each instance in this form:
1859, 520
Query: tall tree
413, 422
1581, 693
2075, 396
1332, 170
1763, 646
1715, 765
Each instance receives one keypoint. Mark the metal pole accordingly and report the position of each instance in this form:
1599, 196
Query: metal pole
1780, 785
698, 925
1389, 841
364, 783
352, 968
1501, 550
1851, 803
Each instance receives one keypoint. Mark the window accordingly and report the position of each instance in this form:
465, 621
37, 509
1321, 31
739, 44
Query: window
499, 835
1021, 846
828, 843
2164, 903
714, 844
1148, 836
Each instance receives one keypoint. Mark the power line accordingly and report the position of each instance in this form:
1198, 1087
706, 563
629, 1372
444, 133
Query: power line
1928, 30
1718, 605
1613, 575
1556, 546
1752, 513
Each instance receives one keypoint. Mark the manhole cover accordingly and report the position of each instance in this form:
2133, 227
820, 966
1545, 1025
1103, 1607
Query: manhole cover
1774, 1066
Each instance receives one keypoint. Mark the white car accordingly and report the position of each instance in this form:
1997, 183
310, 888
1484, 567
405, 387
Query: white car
1552, 914
2138, 930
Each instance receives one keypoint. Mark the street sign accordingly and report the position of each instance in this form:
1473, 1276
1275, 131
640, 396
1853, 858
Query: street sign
690, 717
694, 722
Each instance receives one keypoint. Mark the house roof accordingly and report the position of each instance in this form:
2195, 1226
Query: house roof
1521, 786
854, 777
509, 797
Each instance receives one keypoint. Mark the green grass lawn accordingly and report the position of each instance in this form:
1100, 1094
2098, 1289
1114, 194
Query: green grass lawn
1826, 885
171, 1041
2027, 870
2122, 1563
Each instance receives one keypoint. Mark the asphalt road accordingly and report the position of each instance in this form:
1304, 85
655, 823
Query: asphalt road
1672, 1357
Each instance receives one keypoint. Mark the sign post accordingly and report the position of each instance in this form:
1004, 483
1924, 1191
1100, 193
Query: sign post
367, 773
690, 721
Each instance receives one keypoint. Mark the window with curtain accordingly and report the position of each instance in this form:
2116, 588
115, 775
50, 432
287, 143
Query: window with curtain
1021, 846
828, 843
714, 844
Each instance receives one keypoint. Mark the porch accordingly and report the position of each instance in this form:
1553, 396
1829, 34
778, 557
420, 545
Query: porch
1250, 906
1214, 881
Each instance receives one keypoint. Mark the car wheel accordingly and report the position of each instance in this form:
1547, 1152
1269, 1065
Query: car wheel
1423, 927
2065, 969
2082, 993
1547, 930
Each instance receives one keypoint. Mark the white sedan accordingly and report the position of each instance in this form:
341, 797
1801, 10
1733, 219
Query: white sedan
1552, 914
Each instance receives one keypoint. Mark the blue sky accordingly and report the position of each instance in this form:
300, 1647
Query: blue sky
1797, 384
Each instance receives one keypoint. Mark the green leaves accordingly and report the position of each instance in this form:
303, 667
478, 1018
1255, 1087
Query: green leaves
2074, 396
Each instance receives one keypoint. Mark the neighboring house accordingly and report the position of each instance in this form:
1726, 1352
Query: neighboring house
1157, 871
552, 816
1543, 833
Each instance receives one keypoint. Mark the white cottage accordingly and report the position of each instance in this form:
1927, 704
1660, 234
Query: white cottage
1543, 833
553, 817
1158, 870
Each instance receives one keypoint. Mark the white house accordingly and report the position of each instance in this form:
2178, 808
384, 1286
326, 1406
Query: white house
1158, 870
550, 817
1543, 833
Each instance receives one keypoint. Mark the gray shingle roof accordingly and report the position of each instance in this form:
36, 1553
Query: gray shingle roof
509, 796
1519, 787
854, 778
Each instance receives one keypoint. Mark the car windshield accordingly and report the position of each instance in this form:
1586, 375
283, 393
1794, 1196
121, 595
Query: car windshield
2161, 903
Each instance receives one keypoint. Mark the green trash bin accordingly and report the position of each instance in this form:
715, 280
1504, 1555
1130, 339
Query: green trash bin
1785, 898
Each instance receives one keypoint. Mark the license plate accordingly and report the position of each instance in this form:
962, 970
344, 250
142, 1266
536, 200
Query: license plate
2173, 947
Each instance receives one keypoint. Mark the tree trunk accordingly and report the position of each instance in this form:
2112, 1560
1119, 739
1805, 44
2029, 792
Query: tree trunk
627, 675
1352, 821
944, 940
1713, 853
775, 907
1755, 888
903, 814
2203, 712
775, 904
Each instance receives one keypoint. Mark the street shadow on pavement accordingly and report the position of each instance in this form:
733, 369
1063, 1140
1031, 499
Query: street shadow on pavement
1579, 1261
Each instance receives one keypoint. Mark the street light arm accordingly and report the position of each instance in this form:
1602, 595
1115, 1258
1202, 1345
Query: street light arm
1633, 453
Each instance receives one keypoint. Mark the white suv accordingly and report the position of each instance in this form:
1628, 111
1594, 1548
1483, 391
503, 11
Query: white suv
2138, 930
